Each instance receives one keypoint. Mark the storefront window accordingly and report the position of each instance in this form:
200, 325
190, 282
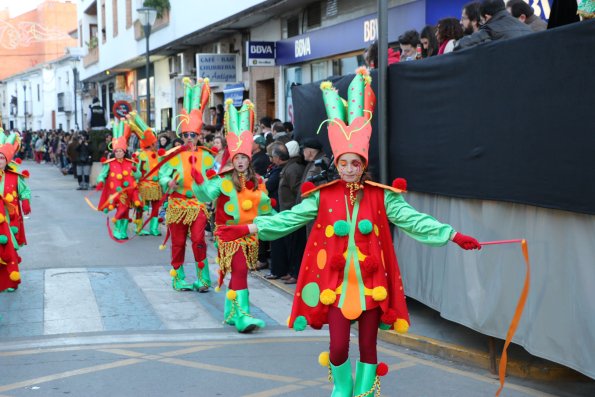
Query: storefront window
319, 71
293, 76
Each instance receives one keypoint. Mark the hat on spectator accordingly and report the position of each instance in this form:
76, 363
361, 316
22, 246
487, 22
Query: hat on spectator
145, 134
349, 128
312, 143
293, 148
260, 141
196, 98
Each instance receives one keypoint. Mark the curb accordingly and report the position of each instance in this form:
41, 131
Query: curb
541, 369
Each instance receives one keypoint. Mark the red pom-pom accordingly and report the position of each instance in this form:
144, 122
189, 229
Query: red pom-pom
161, 152
381, 369
273, 203
370, 265
389, 317
249, 185
260, 180
307, 186
317, 320
25, 173
338, 262
400, 183
18, 161
153, 156
134, 155
160, 220
215, 150
211, 173
103, 159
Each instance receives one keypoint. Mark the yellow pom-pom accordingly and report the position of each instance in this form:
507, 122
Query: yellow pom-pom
231, 295
2, 218
325, 85
217, 289
228, 101
323, 359
187, 80
15, 276
362, 70
119, 176
162, 247
173, 273
247, 205
206, 80
328, 297
111, 208
9, 198
401, 326
379, 294
137, 203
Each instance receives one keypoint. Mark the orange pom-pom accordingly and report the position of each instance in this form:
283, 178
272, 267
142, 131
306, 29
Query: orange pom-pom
161, 152
25, 173
211, 173
18, 161
381, 369
400, 183
307, 186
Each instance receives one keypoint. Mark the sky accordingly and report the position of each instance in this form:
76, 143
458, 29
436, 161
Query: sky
19, 7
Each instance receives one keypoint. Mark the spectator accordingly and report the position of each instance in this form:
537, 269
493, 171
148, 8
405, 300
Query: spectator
212, 116
220, 115
499, 25
429, 43
260, 159
449, 31
39, 149
164, 142
408, 42
265, 129
83, 163
470, 18
288, 128
525, 13
177, 142
103, 147
280, 134
219, 145
97, 118
371, 56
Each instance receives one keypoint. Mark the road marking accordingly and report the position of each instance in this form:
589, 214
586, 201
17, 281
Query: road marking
72, 309
68, 374
279, 391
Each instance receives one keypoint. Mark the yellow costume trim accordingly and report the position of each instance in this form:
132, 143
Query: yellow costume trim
183, 210
150, 191
249, 246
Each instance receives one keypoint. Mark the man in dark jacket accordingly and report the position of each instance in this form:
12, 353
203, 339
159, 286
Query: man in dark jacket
260, 159
83, 163
499, 25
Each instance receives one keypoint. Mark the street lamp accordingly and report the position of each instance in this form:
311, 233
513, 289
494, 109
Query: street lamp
75, 77
146, 17
25, 102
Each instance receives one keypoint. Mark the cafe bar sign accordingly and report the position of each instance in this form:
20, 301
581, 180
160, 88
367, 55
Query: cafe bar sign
218, 68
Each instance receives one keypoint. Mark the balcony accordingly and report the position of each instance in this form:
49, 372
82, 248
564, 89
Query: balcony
160, 23
92, 57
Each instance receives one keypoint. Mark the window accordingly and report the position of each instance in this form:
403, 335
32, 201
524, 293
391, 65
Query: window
314, 15
103, 33
128, 13
293, 26
38, 93
319, 71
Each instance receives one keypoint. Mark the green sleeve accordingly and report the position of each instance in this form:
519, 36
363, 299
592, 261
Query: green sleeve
104, 171
421, 227
23, 189
166, 173
139, 168
281, 224
207, 191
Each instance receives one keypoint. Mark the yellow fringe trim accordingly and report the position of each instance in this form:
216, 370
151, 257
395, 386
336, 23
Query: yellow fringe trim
150, 191
249, 247
124, 198
181, 210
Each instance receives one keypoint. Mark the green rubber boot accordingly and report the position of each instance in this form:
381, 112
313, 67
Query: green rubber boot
244, 322
343, 381
139, 228
203, 277
154, 227
228, 316
116, 230
179, 281
121, 229
366, 379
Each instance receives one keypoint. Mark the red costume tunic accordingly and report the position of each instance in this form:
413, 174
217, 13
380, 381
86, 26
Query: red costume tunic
117, 175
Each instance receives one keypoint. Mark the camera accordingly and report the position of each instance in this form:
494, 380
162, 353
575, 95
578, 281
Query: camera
327, 174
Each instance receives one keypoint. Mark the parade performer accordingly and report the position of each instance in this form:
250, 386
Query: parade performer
14, 205
149, 189
185, 214
241, 196
349, 270
117, 182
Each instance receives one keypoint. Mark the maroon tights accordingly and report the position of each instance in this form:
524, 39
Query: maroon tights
239, 272
339, 328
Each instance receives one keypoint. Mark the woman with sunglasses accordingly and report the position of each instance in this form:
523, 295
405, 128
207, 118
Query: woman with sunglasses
185, 214
349, 270
240, 196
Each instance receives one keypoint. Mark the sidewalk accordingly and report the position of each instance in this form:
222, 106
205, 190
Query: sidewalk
431, 334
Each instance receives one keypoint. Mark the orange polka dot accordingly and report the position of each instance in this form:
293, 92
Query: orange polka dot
321, 259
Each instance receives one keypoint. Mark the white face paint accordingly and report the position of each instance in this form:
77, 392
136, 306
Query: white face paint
350, 167
3, 162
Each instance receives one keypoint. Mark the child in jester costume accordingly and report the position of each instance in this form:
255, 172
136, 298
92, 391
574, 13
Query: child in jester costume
14, 205
185, 214
117, 182
241, 196
349, 271
149, 189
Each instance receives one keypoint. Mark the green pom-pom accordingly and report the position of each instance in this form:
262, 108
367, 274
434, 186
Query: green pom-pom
146, 208
365, 226
126, 184
118, 189
165, 204
105, 211
155, 178
341, 228
14, 229
189, 194
3, 239
384, 326
300, 323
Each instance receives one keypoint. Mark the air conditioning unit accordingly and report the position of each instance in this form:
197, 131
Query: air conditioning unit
175, 67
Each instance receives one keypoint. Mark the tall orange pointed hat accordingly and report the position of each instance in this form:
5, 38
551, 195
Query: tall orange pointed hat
350, 127
145, 134
239, 126
9, 144
196, 98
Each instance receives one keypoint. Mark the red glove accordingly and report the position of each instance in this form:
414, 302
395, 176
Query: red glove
197, 176
232, 232
99, 186
26, 207
466, 242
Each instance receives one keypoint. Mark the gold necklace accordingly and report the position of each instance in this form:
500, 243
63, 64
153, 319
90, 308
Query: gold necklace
353, 188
